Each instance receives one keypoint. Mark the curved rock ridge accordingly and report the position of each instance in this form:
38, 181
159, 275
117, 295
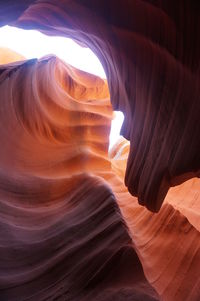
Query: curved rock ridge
61, 119
57, 243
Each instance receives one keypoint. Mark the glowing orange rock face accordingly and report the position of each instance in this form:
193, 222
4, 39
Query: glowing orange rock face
70, 230
8, 56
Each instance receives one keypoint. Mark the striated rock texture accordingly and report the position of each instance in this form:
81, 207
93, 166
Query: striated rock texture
70, 228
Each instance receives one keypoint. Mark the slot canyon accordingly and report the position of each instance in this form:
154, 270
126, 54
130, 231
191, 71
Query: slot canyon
80, 221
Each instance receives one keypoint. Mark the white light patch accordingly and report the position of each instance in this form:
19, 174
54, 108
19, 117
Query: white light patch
34, 44
115, 128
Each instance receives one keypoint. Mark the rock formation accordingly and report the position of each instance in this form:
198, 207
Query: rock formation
71, 229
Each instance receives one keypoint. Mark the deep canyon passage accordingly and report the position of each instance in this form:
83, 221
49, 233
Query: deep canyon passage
79, 222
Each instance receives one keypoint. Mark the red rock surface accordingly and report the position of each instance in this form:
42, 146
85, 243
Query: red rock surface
70, 229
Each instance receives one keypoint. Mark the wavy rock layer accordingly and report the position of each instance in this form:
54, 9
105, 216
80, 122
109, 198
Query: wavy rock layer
70, 229
60, 244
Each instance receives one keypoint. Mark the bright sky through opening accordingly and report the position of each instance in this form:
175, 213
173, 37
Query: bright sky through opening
33, 44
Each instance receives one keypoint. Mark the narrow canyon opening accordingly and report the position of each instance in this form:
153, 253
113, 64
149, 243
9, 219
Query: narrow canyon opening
34, 44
